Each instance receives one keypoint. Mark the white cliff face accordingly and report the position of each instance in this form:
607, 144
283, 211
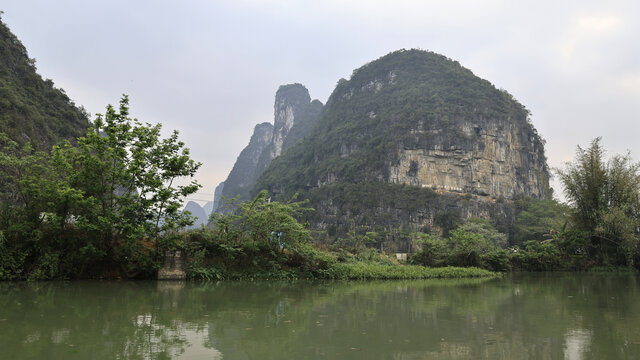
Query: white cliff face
284, 118
492, 160
292, 102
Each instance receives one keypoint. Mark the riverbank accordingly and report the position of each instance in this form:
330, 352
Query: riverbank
211, 259
350, 271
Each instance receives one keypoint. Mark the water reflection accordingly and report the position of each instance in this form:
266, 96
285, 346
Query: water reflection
572, 316
577, 343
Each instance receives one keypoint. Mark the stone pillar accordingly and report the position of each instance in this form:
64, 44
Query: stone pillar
174, 266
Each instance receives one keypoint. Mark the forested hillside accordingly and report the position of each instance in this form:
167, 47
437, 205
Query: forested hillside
32, 109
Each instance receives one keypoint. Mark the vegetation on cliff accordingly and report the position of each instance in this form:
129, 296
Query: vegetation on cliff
408, 99
32, 110
294, 115
599, 228
397, 92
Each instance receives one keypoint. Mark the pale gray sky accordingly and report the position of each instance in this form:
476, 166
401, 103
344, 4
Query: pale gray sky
211, 68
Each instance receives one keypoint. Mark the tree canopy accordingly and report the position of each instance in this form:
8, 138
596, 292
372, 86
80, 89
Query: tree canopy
79, 210
605, 199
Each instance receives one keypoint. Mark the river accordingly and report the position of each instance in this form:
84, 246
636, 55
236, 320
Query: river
521, 316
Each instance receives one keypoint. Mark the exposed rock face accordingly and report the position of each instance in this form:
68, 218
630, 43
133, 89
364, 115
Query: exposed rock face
292, 106
490, 157
291, 101
409, 142
294, 115
242, 177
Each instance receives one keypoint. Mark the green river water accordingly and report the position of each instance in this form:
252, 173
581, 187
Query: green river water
523, 316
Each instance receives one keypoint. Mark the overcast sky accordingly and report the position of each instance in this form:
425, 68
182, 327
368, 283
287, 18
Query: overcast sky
211, 68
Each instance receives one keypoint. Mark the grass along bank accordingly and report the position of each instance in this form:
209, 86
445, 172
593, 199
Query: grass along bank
211, 257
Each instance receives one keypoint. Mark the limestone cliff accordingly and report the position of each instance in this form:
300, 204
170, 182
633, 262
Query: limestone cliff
294, 115
292, 110
489, 157
242, 177
410, 140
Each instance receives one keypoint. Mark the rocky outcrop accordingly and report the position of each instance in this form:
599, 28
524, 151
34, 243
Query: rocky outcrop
294, 115
411, 141
489, 157
243, 176
293, 112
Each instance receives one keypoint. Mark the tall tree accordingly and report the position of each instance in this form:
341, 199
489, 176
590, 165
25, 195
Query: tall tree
100, 203
605, 196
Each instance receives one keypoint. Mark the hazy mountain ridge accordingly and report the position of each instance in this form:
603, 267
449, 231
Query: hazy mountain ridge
199, 214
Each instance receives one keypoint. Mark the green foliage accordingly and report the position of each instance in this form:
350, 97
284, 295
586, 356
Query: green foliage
605, 200
488, 233
434, 251
261, 220
358, 239
366, 271
262, 239
476, 243
468, 247
236, 248
80, 210
32, 110
537, 219
538, 256
409, 99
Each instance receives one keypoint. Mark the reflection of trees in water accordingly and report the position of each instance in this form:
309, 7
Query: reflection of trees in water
539, 316
84, 320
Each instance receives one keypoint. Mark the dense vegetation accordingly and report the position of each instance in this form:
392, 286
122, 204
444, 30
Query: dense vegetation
95, 209
597, 230
32, 110
109, 207
263, 240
